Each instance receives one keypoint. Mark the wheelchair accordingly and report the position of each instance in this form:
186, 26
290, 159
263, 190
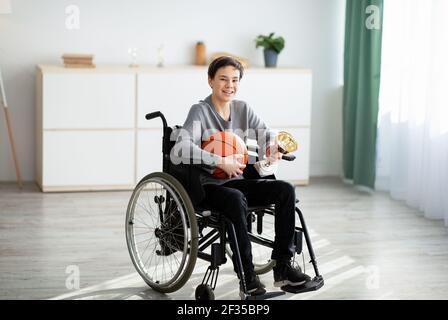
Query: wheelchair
165, 234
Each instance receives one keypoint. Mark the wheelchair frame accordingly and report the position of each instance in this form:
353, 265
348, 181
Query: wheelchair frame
195, 220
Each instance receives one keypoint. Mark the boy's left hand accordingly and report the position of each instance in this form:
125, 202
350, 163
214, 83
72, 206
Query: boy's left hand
272, 153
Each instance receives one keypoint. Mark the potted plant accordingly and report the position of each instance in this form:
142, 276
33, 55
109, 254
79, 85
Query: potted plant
272, 47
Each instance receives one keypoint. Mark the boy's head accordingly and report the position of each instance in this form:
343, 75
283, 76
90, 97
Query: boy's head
224, 61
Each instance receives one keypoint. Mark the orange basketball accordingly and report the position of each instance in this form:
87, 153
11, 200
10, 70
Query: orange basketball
225, 144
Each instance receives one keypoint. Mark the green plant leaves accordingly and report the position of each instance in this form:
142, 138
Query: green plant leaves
270, 42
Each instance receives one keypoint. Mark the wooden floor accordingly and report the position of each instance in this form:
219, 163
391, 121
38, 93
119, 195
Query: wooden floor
368, 247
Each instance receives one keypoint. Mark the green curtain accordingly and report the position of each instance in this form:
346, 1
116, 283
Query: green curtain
362, 65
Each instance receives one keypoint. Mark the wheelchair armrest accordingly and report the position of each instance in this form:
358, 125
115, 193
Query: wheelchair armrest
251, 173
288, 157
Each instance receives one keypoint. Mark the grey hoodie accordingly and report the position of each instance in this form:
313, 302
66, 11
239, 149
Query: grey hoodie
203, 120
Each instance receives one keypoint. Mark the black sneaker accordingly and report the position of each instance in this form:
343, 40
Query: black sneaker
253, 286
236, 271
286, 275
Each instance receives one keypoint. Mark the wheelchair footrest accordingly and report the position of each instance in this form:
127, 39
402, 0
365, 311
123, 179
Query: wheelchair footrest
314, 284
267, 295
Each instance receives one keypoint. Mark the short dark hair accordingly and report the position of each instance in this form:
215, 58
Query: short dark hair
224, 61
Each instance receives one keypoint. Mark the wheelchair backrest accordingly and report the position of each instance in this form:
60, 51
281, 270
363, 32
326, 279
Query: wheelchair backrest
168, 144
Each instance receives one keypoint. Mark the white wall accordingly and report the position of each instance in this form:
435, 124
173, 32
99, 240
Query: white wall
36, 33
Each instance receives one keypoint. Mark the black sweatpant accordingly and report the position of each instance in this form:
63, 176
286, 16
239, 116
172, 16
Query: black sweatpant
232, 199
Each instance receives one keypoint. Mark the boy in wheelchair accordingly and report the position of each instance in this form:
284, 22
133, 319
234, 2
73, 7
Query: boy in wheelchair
232, 196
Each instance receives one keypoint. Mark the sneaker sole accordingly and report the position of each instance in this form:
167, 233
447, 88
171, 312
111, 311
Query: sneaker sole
258, 291
288, 283
253, 294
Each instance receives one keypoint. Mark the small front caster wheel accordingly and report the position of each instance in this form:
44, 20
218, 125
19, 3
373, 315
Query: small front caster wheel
204, 292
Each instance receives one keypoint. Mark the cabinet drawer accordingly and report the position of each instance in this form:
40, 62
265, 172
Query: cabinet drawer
171, 93
88, 158
88, 101
149, 156
280, 99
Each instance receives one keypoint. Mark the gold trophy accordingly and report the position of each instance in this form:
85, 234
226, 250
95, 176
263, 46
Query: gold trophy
286, 144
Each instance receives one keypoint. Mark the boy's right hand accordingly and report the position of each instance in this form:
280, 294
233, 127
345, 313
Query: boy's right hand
232, 165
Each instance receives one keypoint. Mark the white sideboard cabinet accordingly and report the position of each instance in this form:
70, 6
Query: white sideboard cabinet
91, 133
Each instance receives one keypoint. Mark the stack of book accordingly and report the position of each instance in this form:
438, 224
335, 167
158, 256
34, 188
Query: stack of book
78, 60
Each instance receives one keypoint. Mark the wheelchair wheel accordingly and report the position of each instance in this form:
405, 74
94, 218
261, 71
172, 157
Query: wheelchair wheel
162, 232
261, 254
262, 264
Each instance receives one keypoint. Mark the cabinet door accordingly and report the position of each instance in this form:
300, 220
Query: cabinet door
149, 156
297, 171
88, 158
172, 93
279, 98
88, 100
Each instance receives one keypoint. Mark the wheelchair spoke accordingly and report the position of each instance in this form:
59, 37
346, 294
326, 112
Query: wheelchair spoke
168, 206
146, 247
141, 233
166, 243
151, 214
144, 240
144, 223
143, 206
146, 215
147, 192
150, 257
176, 258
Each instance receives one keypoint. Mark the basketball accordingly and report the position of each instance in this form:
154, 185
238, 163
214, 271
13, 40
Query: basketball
224, 144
